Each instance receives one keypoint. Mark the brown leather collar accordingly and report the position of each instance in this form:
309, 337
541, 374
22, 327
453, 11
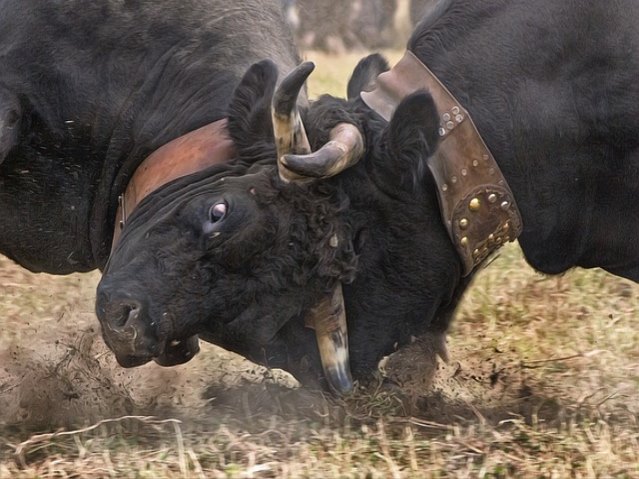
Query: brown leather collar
198, 149
477, 205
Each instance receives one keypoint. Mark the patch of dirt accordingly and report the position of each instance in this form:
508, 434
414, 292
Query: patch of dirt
459, 384
74, 380
497, 387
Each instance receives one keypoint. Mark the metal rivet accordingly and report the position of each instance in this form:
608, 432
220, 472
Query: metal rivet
492, 198
444, 187
476, 253
505, 205
463, 223
506, 227
499, 240
333, 242
475, 163
446, 117
450, 125
464, 172
491, 171
442, 131
491, 237
459, 118
464, 241
474, 204
455, 110
453, 179
485, 157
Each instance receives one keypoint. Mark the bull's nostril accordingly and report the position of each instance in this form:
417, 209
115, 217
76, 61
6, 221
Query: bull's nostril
124, 313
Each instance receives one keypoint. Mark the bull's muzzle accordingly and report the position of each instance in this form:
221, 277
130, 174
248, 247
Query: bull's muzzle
133, 337
177, 352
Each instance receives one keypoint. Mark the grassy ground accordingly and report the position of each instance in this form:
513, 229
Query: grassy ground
543, 382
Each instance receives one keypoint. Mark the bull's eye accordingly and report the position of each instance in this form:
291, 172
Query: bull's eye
217, 212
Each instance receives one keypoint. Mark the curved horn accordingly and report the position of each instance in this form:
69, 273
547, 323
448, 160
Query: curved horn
345, 148
328, 319
290, 136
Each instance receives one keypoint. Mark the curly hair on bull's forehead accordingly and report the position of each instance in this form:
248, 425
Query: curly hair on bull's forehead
319, 228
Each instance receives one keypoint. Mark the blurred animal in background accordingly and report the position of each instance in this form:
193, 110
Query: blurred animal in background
338, 25
418, 9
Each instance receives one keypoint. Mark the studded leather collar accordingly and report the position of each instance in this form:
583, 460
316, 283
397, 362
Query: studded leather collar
476, 203
189, 153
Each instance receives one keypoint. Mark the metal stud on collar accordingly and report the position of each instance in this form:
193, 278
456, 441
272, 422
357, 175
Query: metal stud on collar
449, 120
486, 222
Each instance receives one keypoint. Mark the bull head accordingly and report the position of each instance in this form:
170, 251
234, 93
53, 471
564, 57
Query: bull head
297, 163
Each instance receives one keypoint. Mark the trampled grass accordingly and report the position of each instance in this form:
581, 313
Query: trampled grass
543, 381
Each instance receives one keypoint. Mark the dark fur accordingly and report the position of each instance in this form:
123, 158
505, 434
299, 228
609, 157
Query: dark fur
554, 94
10, 115
552, 88
100, 85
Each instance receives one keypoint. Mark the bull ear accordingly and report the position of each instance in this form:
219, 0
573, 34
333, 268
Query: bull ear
365, 73
414, 128
249, 111
411, 137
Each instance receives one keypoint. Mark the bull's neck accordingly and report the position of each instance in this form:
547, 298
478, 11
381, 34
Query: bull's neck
478, 209
148, 121
511, 72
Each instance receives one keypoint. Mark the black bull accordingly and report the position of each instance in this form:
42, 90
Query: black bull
240, 257
89, 89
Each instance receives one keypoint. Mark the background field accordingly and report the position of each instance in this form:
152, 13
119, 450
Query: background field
543, 381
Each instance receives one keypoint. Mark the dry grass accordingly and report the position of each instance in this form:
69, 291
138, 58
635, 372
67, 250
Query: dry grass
543, 382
